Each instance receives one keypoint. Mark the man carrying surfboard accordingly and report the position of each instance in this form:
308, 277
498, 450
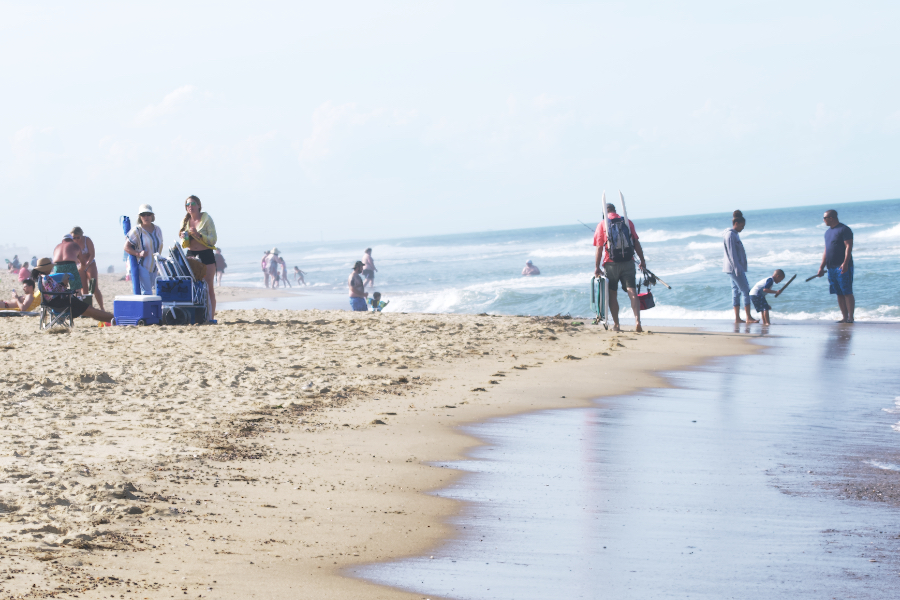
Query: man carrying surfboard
615, 252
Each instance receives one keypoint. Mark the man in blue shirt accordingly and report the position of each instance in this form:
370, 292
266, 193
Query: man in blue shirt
838, 262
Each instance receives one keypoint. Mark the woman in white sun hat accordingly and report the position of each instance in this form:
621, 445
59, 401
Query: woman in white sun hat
142, 242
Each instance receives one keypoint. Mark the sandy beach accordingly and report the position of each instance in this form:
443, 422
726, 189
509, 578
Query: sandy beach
264, 456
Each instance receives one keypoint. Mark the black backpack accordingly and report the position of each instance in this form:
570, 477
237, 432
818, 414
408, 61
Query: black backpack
621, 246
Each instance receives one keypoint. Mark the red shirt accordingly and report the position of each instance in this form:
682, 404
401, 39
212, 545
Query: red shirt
600, 236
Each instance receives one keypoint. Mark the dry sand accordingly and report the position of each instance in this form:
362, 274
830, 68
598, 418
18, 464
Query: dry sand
259, 457
112, 285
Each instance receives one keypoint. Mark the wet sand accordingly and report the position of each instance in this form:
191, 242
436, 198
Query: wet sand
269, 455
760, 476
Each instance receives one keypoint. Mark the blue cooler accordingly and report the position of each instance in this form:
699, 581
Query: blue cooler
137, 310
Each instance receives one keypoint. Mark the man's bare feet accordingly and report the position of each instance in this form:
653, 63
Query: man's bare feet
752, 321
841, 321
615, 327
738, 321
638, 328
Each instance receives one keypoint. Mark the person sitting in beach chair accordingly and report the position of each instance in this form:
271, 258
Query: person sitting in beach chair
59, 304
29, 301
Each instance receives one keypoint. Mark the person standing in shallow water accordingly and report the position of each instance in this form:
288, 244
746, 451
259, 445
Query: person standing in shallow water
837, 260
368, 268
357, 289
735, 264
622, 272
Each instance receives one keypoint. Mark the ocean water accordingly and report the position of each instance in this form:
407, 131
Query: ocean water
480, 272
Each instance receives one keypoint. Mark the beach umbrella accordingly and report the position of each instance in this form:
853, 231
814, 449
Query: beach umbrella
135, 278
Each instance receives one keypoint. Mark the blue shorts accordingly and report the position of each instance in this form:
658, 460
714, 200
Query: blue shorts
358, 304
759, 303
840, 283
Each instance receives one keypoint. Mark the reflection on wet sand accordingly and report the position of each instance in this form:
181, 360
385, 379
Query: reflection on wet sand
748, 479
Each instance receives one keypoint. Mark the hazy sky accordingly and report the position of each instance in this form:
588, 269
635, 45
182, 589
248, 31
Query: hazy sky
294, 121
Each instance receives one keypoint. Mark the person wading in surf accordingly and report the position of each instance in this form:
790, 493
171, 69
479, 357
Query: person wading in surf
837, 261
735, 264
619, 264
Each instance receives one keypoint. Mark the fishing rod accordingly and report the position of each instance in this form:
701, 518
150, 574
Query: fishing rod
648, 271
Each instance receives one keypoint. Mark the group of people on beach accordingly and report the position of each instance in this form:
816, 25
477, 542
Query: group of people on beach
74, 267
615, 253
361, 276
275, 270
198, 236
837, 263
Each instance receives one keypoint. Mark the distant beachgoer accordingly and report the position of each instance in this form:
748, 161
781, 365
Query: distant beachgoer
65, 260
377, 303
110, 269
284, 273
357, 289
143, 241
758, 294
263, 264
29, 300
619, 264
837, 260
368, 268
221, 265
16, 265
54, 283
34, 260
272, 266
87, 264
198, 232
735, 264
24, 272
530, 269
299, 275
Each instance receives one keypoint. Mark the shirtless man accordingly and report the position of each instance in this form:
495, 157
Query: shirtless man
368, 268
65, 260
357, 290
530, 269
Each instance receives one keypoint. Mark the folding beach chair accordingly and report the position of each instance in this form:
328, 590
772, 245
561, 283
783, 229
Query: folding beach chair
185, 297
51, 316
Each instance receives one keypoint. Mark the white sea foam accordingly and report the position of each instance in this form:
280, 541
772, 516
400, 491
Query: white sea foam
884, 465
695, 268
662, 311
792, 257
570, 250
752, 232
705, 245
888, 234
662, 235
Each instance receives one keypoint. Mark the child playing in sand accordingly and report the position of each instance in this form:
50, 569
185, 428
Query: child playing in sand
376, 302
759, 291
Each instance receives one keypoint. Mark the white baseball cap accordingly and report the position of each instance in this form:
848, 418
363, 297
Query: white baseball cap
145, 208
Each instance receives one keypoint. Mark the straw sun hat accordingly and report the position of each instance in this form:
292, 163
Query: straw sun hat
44, 265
